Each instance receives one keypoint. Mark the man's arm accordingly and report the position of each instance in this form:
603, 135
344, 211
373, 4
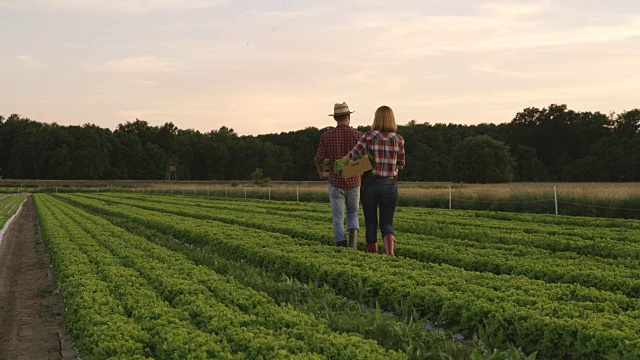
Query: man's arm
321, 153
401, 157
359, 149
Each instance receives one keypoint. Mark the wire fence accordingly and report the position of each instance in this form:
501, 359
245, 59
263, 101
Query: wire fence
553, 202
597, 206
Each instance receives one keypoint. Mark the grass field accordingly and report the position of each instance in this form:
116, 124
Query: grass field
508, 285
598, 191
620, 200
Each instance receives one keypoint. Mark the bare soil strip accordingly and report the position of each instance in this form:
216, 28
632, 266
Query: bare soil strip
31, 323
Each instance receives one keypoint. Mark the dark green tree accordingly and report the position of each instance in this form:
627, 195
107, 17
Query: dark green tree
301, 146
481, 159
528, 166
88, 151
552, 143
558, 135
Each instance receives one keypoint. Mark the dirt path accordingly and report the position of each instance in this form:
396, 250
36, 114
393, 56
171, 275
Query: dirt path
31, 324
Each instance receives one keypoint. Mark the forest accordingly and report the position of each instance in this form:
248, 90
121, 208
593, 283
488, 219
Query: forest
548, 144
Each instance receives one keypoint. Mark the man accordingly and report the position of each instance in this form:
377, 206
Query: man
335, 144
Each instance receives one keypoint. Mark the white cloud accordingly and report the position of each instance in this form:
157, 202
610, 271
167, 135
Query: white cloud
495, 27
294, 14
176, 27
153, 116
496, 69
541, 93
515, 9
144, 83
142, 64
128, 7
100, 99
445, 61
29, 61
24, 60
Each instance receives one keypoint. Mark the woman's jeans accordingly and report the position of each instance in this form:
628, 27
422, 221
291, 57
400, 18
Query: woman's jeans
378, 193
338, 199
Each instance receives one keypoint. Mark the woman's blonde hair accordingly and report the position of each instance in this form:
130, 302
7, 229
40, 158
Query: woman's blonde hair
384, 120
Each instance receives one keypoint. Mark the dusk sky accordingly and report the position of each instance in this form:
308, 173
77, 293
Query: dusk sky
271, 66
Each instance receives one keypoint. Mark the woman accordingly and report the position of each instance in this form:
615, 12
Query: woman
379, 187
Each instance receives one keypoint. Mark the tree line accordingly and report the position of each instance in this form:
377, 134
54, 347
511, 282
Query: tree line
549, 144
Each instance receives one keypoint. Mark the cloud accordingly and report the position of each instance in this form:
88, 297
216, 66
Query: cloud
100, 99
142, 64
495, 69
430, 60
507, 26
144, 83
25, 60
296, 14
537, 94
28, 61
127, 7
515, 10
153, 116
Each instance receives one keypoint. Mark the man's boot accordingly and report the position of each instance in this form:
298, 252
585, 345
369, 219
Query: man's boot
342, 243
389, 242
353, 238
372, 248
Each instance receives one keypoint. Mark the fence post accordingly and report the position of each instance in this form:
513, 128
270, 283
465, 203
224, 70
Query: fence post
269, 192
207, 191
245, 193
225, 192
555, 198
297, 195
449, 197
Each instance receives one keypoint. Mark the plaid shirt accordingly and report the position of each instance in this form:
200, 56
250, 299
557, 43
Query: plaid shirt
387, 149
335, 144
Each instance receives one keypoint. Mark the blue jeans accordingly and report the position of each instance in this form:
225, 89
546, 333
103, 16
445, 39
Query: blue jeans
338, 199
378, 193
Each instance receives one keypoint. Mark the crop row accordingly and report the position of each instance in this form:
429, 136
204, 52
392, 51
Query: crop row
467, 223
436, 220
411, 335
97, 321
220, 316
591, 228
561, 321
8, 207
535, 263
610, 247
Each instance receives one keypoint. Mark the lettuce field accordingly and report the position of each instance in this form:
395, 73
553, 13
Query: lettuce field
177, 277
9, 205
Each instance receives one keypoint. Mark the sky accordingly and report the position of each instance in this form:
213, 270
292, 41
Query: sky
263, 67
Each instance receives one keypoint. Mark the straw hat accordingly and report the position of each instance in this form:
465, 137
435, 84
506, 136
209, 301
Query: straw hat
341, 109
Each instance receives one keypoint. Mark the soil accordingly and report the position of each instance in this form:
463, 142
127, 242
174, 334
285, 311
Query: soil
31, 308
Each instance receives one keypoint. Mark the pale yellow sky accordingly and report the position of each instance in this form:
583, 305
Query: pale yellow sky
271, 66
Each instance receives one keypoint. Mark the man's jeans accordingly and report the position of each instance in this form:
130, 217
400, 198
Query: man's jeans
383, 193
338, 199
